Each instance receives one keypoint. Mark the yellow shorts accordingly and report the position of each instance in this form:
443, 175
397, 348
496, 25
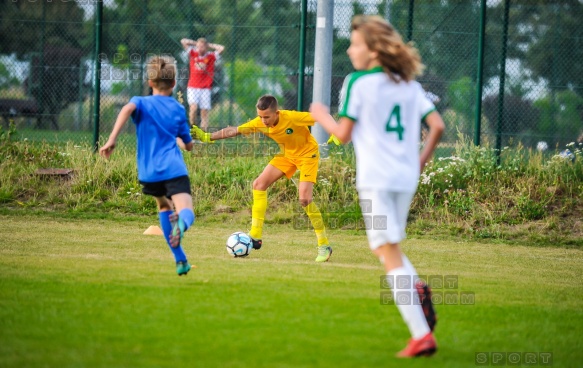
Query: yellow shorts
308, 166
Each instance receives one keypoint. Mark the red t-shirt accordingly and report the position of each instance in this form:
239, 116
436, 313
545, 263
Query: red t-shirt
202, 69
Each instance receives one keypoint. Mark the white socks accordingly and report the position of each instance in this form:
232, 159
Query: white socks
402, 281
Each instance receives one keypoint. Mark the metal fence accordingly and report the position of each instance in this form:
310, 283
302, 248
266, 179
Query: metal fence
527, 52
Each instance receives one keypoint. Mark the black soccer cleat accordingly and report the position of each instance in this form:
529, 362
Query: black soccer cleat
426, 304
257, 243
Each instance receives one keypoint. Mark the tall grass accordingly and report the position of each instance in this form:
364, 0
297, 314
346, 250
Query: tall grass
475, 192
482, 193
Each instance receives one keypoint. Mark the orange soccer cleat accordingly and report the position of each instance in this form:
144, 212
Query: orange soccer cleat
425, 346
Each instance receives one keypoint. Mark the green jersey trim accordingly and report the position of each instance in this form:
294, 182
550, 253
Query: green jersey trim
427, 113
352, 78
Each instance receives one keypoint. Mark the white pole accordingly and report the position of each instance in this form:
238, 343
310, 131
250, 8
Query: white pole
323, 63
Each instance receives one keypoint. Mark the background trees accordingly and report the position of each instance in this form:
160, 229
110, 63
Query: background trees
262, 44
54, 77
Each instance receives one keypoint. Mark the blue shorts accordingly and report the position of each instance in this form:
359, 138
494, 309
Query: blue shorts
168, 187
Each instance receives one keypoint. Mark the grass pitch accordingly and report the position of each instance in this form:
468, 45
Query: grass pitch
98, 293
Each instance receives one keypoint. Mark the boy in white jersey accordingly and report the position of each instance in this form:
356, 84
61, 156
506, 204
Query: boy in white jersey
381, 111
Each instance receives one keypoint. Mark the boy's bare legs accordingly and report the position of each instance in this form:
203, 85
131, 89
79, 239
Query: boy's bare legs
306, 190
204, 119
166, 214
192, 113
182, 201
390, 256
269, 176
182, 218
403, 276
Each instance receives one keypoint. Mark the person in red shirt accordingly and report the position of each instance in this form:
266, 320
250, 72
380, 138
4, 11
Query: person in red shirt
202, 69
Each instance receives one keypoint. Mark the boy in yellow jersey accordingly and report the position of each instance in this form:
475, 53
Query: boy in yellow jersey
289, 129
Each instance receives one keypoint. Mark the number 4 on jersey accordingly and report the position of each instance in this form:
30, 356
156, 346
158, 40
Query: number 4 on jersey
394, 123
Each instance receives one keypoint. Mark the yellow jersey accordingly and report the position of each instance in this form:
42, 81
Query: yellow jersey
291, 133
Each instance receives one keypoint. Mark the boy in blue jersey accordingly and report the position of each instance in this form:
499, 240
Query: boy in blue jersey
159, 120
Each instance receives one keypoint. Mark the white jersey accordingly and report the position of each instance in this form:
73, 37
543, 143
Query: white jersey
387, 123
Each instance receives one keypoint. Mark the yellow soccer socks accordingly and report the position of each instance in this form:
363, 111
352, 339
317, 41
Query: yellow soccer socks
258, 213
316, 219
258, 217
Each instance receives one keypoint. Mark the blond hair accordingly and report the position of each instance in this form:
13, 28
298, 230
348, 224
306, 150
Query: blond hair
161, 70
395, 56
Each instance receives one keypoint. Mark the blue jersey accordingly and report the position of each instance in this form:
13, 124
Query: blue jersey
159, 120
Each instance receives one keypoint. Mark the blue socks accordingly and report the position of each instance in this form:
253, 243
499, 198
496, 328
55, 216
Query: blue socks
179, 255
187, 216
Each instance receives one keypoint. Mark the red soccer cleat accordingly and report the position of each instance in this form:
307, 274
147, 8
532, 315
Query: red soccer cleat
425, 346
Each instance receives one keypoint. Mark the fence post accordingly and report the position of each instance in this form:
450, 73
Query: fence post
143, 53
502, 80
78, 125
410, 20
302, 60
42, 64
97, 73
554, 83
479, 81
233, 52
323, 62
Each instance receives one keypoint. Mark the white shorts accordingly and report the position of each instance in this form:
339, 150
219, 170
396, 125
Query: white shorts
385, 215
200, 97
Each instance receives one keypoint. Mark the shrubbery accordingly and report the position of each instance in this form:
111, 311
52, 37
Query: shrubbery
518, 194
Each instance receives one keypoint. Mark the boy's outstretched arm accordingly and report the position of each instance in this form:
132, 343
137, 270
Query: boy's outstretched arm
224, 133
204, 137
123, 116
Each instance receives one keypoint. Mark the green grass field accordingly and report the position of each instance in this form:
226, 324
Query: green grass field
98, 293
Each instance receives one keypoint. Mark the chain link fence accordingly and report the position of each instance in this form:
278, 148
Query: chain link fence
531, 71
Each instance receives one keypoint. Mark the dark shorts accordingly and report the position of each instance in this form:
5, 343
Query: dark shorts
168, 187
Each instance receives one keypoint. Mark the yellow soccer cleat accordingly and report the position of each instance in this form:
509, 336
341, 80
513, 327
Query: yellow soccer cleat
324, 253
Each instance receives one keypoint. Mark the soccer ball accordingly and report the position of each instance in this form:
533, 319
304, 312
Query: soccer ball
239, 244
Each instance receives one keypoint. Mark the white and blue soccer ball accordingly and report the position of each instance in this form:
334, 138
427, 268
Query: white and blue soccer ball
239, 244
